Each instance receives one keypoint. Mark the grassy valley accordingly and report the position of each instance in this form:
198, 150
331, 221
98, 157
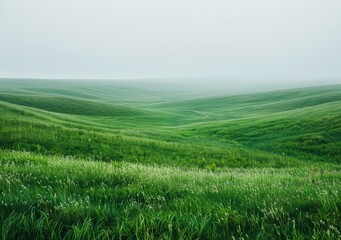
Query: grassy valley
106, 160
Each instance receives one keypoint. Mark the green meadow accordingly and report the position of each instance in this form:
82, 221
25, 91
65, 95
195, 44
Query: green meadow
119, 160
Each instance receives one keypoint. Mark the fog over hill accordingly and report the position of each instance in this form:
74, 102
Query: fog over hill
183, 86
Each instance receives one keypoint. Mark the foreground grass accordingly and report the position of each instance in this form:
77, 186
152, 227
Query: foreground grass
65, 198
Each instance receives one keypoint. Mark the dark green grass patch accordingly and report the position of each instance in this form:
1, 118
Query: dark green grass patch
71, 105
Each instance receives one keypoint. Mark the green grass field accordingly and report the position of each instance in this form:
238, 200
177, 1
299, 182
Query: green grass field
115, 160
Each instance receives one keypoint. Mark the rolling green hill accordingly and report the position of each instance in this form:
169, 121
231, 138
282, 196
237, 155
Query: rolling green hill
301, 124
103, 160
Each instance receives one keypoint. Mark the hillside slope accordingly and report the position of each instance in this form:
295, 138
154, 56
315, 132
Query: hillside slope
99, 162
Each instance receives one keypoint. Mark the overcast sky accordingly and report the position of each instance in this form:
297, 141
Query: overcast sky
278, 40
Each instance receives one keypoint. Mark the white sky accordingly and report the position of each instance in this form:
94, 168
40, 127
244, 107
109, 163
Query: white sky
228, 39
